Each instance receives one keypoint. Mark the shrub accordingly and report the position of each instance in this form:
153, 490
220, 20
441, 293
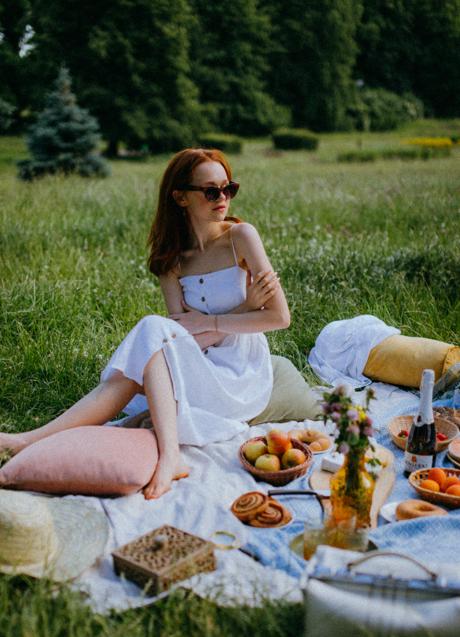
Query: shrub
400, 153
381, 110
433, 152
358, 156
295, 139
424, 152
430, 142
222, 141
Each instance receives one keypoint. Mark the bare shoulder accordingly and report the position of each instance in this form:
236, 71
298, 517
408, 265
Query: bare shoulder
249, 246
245, 234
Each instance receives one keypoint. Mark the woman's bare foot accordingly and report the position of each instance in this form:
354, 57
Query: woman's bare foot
12, 442
165, 472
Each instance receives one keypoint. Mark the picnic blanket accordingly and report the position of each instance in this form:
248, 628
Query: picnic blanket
200, 504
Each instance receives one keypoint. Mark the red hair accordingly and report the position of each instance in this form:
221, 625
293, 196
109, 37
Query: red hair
170, 232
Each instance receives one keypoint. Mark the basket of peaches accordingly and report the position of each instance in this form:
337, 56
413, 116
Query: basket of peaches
280, 457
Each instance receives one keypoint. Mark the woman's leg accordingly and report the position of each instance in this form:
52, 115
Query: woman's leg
162, 406
102, 404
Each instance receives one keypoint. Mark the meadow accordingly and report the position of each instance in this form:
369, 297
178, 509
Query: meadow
346, 239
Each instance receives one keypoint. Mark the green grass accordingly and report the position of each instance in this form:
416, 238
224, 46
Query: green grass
346, 239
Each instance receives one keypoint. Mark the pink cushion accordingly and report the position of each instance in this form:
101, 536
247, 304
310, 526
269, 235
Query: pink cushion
102, 461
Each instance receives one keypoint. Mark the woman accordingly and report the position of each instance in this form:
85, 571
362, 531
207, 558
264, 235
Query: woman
206, 369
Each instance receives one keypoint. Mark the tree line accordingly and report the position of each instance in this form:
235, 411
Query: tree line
157, 73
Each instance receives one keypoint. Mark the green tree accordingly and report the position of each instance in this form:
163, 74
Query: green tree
313, 59
17, 79
230, 44
130, 63
413, 45
64, 138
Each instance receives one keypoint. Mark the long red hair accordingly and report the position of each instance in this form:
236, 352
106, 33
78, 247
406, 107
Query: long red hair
170, 232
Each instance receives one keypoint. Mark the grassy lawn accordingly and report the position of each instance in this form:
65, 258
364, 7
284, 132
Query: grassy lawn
347, 239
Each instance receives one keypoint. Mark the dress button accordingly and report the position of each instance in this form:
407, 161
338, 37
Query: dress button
203, 299
201, 280
205, 351
173, 335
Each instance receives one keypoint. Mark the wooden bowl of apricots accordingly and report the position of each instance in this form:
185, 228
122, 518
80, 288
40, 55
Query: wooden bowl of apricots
275, 458
441, 486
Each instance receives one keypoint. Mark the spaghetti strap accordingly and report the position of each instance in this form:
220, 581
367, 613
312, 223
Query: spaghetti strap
233, 247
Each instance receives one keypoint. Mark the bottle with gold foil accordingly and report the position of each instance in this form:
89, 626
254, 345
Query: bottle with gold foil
420, 450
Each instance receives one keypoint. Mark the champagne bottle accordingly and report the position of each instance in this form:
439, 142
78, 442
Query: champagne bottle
421, 444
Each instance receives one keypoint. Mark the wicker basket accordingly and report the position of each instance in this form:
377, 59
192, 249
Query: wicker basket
404, 422
452, 501
157, 560
448, 413
283, 476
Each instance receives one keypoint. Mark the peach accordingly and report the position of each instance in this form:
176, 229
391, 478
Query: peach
438, 475
315, 446
431, 485
454, 489
268, 462
252, 450
292, 458
450, 481
278, 442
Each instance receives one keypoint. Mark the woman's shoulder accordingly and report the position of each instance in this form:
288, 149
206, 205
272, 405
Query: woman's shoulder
244, 231
245, 235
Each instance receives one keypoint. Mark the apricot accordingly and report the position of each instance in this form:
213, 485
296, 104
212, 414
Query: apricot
450, 482
296, 433
431, 485
454, 489
315, 446
438, 475
278, 442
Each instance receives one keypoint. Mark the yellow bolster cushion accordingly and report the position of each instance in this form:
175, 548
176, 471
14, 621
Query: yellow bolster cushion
400, 360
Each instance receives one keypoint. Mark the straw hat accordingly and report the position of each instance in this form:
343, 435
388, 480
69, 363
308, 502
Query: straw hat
46, 536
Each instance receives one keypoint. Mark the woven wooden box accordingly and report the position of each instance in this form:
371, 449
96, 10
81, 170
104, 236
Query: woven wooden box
162, 557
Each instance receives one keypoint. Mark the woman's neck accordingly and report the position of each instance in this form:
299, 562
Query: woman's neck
206, 233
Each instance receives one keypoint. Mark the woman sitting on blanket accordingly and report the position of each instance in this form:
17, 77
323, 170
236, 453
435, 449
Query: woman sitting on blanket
205, 370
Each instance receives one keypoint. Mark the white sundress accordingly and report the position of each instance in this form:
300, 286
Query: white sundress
217, 390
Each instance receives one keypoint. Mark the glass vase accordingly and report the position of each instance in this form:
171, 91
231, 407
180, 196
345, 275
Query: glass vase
352, 488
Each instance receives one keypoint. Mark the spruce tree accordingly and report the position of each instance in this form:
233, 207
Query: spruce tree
64, 138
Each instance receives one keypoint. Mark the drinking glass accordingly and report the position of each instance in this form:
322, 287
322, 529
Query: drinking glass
343, 534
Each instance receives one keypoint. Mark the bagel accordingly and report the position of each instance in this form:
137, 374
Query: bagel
409, 509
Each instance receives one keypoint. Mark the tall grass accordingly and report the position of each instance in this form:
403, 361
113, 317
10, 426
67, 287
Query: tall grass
381, 239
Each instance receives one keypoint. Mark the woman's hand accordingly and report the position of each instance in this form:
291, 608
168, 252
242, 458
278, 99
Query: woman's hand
262, 289
195, 322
